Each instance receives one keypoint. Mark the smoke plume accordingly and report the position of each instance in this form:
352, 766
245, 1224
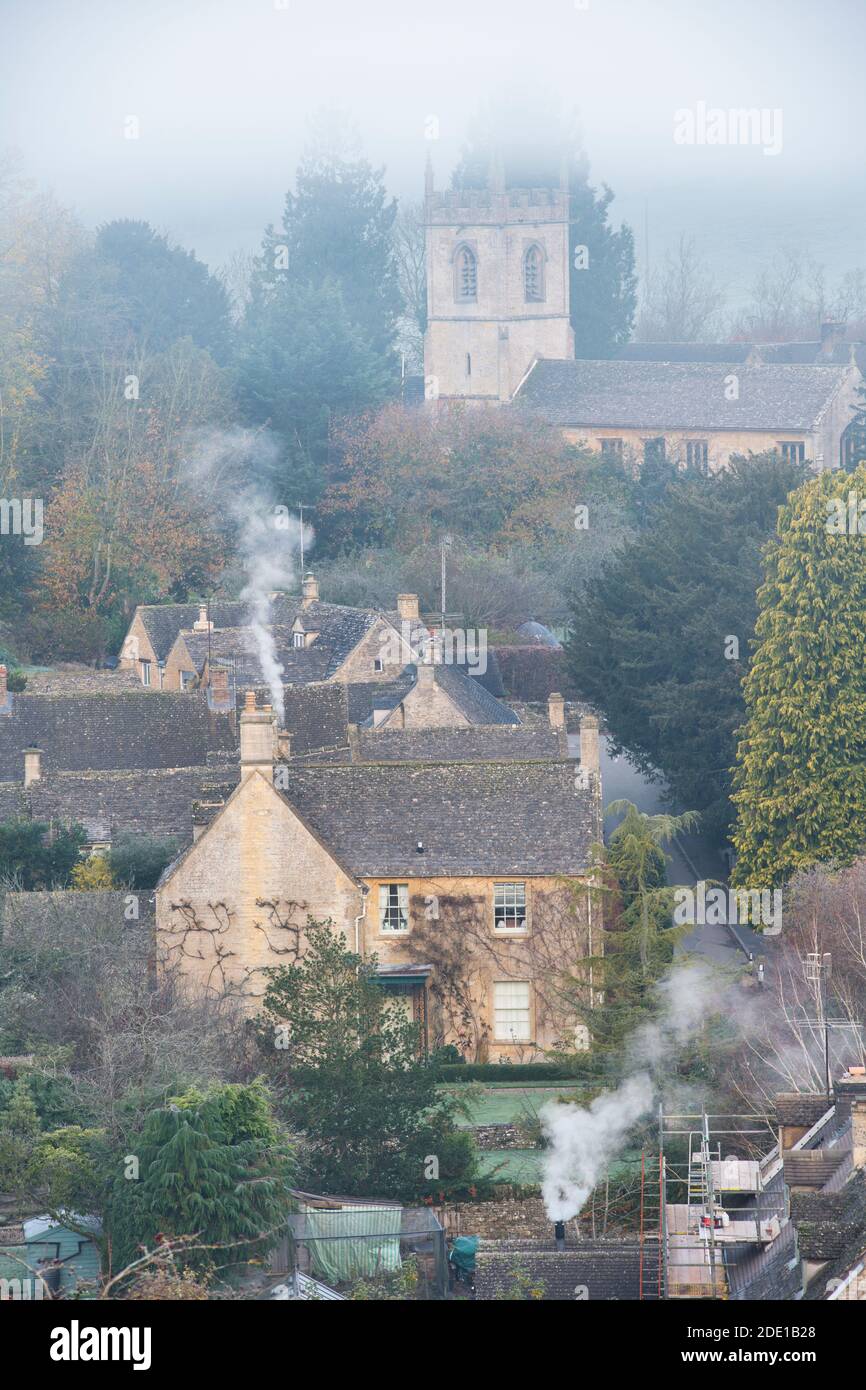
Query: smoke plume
583, 1140
269, 542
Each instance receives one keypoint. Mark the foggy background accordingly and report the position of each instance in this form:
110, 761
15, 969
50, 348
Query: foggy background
223, 90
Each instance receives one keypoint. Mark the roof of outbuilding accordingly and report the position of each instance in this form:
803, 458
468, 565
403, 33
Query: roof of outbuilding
479, 818
665, 395
118, 729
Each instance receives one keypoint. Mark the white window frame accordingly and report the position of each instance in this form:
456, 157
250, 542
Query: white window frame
512, 1020
299, 639
393, 906
145, 672
509, 897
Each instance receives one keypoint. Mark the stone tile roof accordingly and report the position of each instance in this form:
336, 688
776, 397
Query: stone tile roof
832, 1228
607, 1270
683, 395
163, 621
481, 818
142, 802
365, 696
470, 697
339, 629
813, 353
476, 744
803, 1108
118, 729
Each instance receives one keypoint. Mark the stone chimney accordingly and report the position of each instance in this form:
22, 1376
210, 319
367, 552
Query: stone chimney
4, 676
590, 751
310, 590
202, 623
283, 745
407, 607
218, 696
32, 766
851, 1089
257, 737
832, 334
556, 710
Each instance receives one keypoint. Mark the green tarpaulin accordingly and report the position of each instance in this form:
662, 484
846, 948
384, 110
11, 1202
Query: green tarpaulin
353, 1242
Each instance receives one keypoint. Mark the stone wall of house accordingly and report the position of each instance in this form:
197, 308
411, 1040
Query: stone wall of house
426, 706
236, 903
380, 642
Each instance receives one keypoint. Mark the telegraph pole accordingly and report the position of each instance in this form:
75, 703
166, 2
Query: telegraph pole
302, 506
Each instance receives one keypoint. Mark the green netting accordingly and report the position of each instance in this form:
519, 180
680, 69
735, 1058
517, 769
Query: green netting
353, 1242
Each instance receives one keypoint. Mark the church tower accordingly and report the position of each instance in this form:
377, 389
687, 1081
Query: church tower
497, 287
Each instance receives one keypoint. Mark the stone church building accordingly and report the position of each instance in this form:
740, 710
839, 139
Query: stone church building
499, 333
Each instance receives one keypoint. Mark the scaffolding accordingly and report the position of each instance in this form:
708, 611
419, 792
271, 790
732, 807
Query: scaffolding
712, 1199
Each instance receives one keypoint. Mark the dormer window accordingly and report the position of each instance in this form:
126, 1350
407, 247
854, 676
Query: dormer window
298, 639
533, 275
466, 276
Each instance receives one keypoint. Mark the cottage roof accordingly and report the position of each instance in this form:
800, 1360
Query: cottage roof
678, 395
471, 818
145, 801
475, 744
116, 729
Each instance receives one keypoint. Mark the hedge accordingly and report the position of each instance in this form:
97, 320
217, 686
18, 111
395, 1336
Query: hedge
517, 1071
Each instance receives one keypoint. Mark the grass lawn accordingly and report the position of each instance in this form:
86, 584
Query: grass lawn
511, 1165
499, 1105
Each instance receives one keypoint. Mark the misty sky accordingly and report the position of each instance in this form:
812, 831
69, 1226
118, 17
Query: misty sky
223, 90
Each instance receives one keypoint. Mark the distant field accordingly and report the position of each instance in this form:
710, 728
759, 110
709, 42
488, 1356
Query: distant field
511, 1165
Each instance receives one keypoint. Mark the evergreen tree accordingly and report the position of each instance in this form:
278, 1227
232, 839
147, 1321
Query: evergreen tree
639, 942
347, 1069
211, 1165
801, 761
337, 227
302, 364
660, 640
30, 859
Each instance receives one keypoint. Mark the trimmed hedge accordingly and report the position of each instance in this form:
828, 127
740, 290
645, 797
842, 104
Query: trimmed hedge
517, 1071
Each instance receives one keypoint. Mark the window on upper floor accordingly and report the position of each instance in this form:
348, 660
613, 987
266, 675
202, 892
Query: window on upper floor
298, 639
533, 275
145, 673
466, 276
394, 907
509, 906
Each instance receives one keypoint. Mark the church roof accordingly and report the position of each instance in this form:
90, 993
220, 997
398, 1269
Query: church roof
678, 395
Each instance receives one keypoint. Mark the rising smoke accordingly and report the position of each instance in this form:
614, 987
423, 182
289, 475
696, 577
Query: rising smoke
582, 1140
234, 464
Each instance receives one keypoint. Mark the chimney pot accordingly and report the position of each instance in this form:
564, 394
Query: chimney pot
32, 766
202, 623
310, 590
407, 607
250, 702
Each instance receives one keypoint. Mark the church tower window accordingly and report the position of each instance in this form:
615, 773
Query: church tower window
533, 275
466, 277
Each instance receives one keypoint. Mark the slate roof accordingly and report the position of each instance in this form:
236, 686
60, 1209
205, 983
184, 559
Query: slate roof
800, 1108
812, 353
340, 629
470, 697
118, 729
142, 802
365, 696
481, 818
163, 621
478, 743
607, 1270
832, 1228
663, 395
